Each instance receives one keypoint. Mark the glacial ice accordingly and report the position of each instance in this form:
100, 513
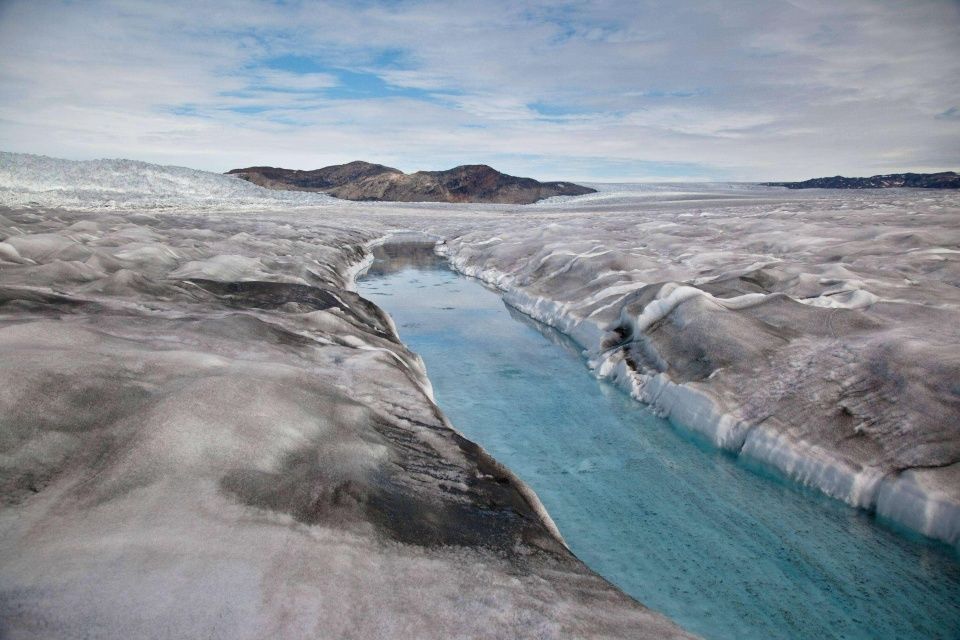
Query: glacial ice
847, 392
204, 433
40, 181
186, 376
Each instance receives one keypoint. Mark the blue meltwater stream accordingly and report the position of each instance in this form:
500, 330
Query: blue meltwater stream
723, 550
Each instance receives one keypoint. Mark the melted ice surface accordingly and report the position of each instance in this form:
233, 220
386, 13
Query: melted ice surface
680, 526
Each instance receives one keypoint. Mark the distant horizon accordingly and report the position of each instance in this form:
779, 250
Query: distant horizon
542, 178
599, 92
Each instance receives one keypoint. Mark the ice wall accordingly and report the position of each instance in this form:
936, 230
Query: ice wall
816, 336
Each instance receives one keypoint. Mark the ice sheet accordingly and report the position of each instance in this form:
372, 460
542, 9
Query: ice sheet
204, 433
146, 407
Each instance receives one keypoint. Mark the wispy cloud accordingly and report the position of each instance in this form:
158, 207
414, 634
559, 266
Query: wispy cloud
730, 90
278, 80
953, 113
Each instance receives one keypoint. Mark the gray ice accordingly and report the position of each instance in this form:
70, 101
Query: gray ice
204, 432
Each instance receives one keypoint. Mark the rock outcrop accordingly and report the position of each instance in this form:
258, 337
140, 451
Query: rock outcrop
365, 181
942, 180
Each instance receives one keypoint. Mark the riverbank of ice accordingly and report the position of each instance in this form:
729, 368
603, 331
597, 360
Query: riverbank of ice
829, 358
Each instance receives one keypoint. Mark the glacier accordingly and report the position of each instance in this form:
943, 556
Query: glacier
206, 434
815, 335
187, 375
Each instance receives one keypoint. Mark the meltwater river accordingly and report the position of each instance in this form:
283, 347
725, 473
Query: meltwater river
725, 551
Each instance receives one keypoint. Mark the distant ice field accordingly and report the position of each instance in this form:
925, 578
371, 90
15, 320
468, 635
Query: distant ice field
29, 180
41, 181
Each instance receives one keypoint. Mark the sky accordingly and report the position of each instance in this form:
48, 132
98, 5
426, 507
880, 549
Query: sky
604, 91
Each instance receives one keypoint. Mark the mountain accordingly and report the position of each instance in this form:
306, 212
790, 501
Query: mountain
366, 181
943, 180
315, 180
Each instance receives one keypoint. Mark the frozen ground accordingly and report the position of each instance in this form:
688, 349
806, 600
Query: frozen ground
181, 389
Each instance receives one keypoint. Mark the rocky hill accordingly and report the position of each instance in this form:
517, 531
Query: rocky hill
366, 181
942, 180
315, 180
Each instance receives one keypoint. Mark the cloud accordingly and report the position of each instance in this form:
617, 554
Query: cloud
288, 81
730, 90
953, 113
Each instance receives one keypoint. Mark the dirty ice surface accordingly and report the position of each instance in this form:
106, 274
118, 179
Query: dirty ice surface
816, 335
204, 434
813, 334
678, 525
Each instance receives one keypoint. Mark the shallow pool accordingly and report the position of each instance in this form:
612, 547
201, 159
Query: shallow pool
682, 527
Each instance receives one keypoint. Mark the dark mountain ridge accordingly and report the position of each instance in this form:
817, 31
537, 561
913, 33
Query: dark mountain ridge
374, 182
942, 180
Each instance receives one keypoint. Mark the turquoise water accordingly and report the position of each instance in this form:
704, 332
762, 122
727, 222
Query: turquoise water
682, 527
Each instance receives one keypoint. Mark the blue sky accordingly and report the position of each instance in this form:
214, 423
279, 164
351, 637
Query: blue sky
702, 90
